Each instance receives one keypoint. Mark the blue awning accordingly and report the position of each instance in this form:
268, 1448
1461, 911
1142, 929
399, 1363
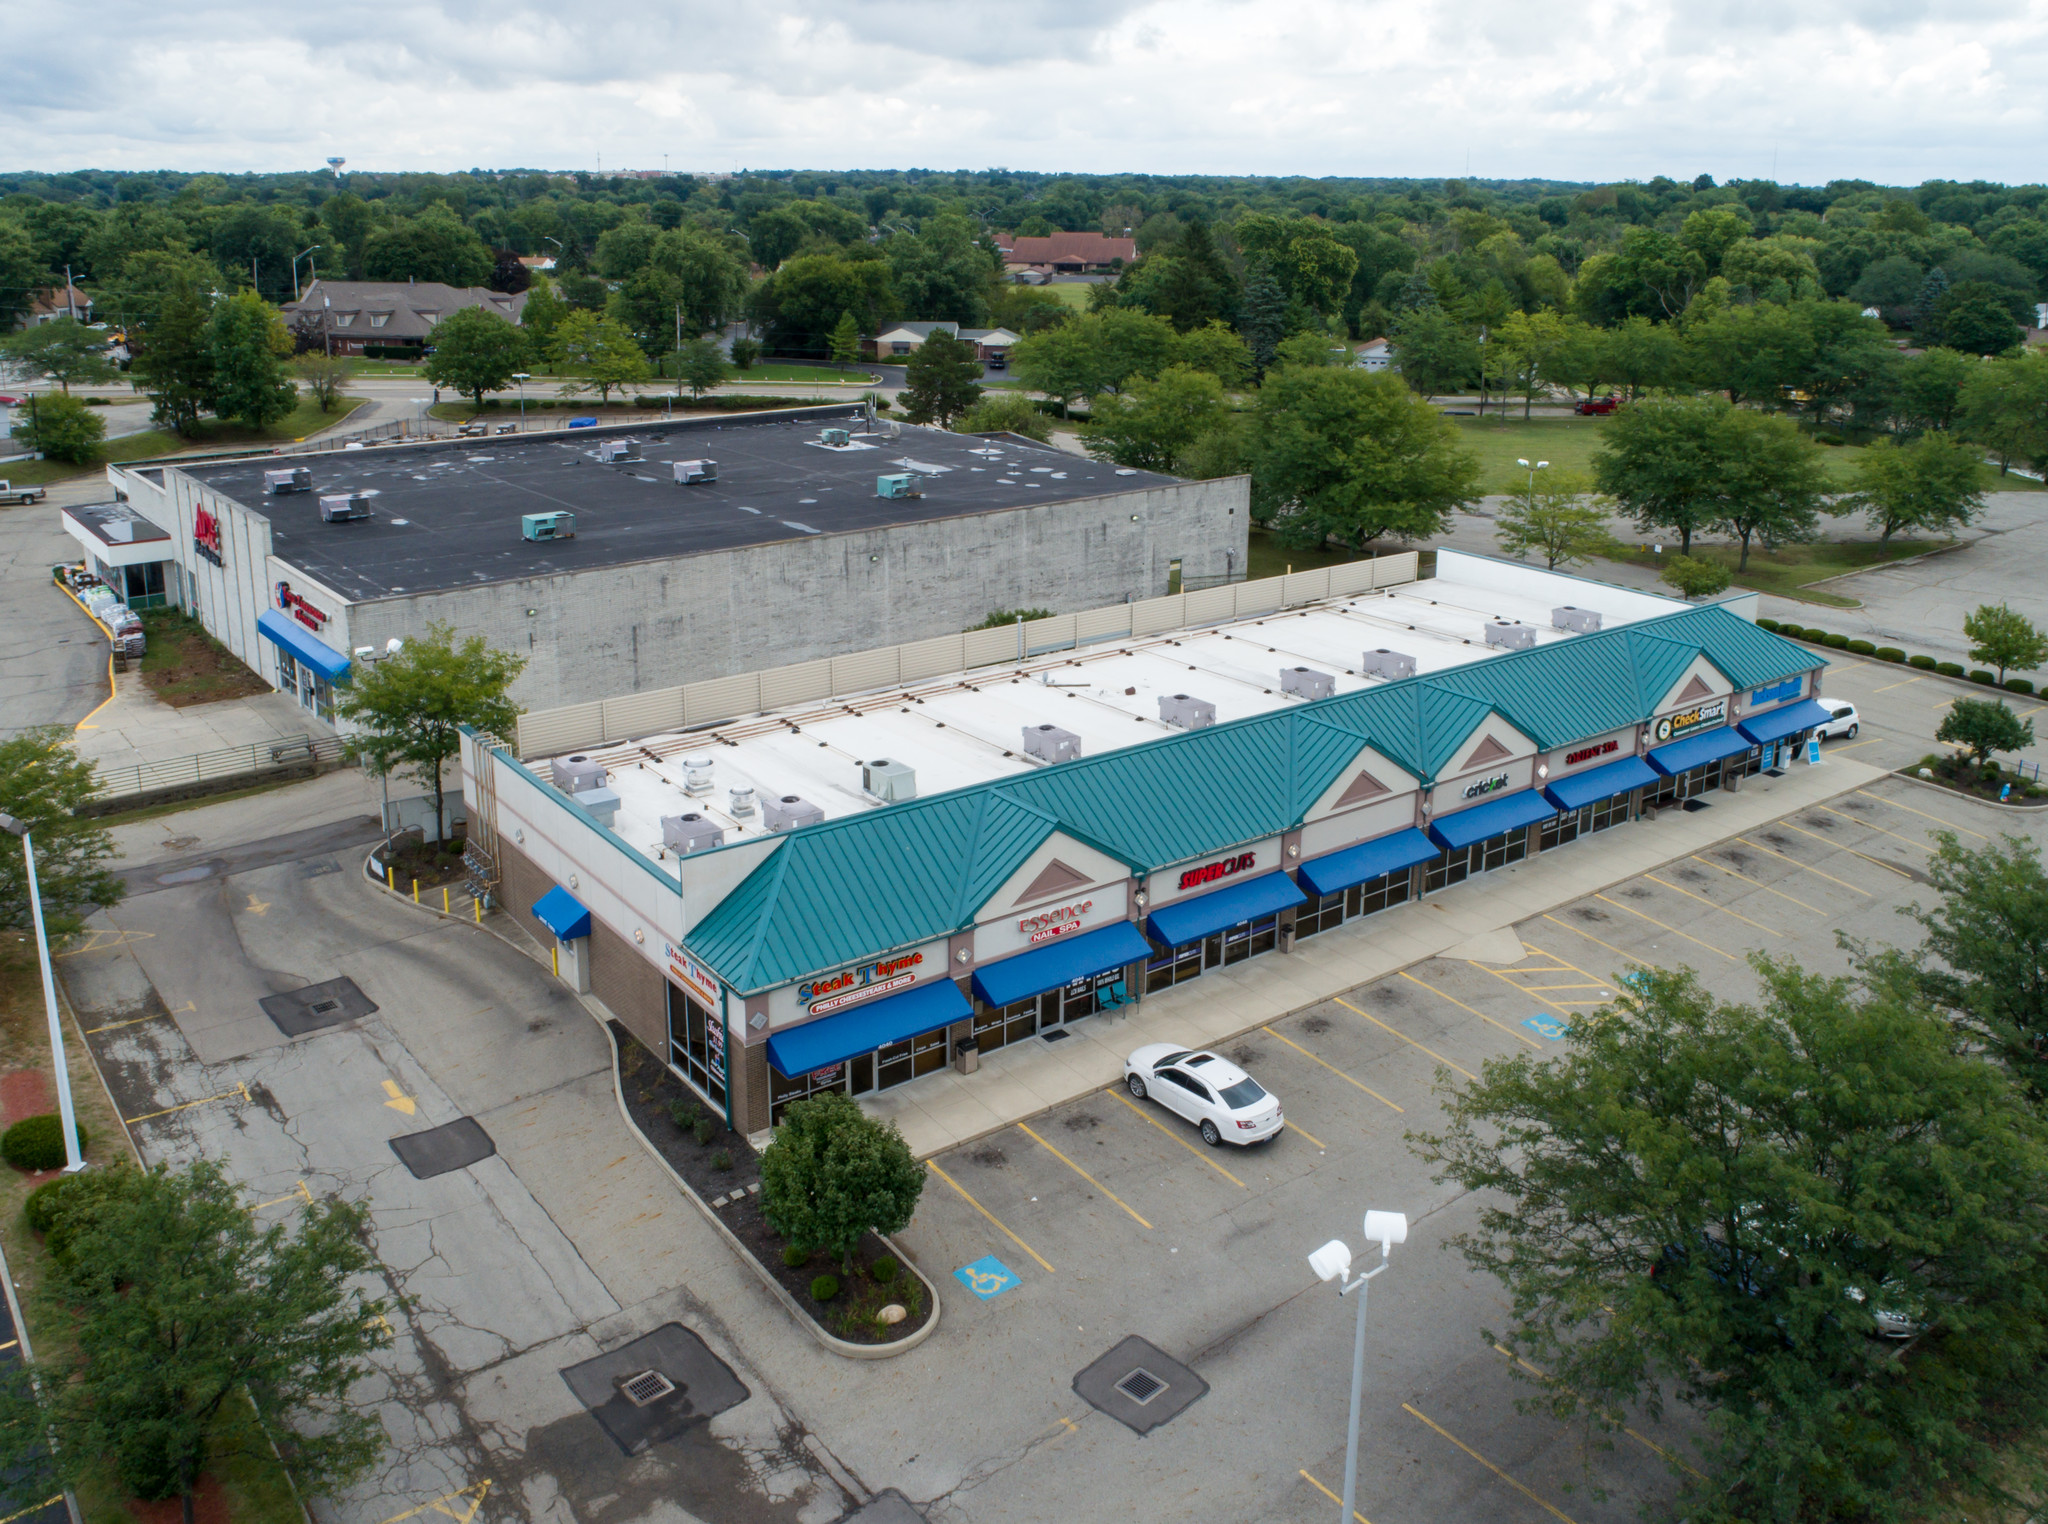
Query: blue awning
1603, 782
1335, 871
1067, 959
300, 642
834, 1039
1191, 920
1776, 724
563, 914
1679, 756
1491, 818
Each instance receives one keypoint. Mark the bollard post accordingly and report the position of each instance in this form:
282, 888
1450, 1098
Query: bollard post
390, 877
415, 891
444, 899
479, 912
555, 960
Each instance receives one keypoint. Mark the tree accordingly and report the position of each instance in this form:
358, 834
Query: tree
65, 351
600, 354
178, 1307
1696, 578
833, 1174
476, 352
800, 303
700, 366
1928, 485
1664, 459
412, 706
942, 272
2005, 405
1984, 726
1715, 1200
43, 782
61, 428
1005, 413
543, 312
1930, 387
432, 247
1213, 347
250, 346
21, 272
174, 358
1774, 484
1556, 516
843, 344
2003, 638
1975, 323
1432, 351
1151, 424
323, 376
1265, 313
744, 353
1349, 455
942, 380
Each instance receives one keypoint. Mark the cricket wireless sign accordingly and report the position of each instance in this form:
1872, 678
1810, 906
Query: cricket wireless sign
1684, 723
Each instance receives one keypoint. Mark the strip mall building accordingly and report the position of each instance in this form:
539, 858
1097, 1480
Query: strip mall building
857, 890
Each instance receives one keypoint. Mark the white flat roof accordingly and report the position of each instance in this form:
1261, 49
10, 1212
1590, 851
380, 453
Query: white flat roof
967, 727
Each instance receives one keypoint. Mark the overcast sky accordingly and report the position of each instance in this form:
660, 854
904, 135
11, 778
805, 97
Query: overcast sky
1890, 90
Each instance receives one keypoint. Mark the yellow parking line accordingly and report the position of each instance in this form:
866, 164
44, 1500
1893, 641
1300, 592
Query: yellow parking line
1918, 846
1607, 984
1649, 1444
1070, 1164
1454, 1000
1836, 846
1326, 1492
115, 1026
1923, 814
1595, 940
1297, 1047
46, 1502
1781, 894
1489, 1465
1118, 1092
1705, 901
1598, 984
991, 1216
1709, 946
1887, 688
1406, 1038
1853, 745
241, 1090
1318, 1142
1795, 862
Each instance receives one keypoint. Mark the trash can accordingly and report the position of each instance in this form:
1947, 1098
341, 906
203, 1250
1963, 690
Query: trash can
967, 1055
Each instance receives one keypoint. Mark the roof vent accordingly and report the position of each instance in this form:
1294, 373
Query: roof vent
837, 438
609, 450
684, 834
1510, 636
697, 776
575, 775
904, 484
343, 506
1578, 621
741, 802
789, 812
1387, 664
1306, 682
602, 803
891, 782
1050, 743
291, 479
536, 526
1186, 712
689, 472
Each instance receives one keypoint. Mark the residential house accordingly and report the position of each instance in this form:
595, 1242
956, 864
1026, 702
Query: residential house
47, 306
991, 345
1066, 253
1374, 354
392, 314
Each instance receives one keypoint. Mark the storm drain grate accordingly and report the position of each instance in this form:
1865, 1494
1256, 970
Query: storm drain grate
655, 1387
1141, 1386
322, 1007
317, 1007
648, 1386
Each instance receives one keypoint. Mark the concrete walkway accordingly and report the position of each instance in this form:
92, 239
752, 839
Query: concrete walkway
1474, 920
136, 728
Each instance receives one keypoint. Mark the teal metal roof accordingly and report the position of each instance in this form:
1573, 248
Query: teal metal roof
859, 887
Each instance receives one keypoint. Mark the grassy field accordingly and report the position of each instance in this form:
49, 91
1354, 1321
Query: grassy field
1786, 571
1073, 293
212, 434
818, 374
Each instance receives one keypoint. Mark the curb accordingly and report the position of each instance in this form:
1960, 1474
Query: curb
1963, 683
1905, 776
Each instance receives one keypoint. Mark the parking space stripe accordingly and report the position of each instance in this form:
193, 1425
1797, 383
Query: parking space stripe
1532, 988
1647, 1443
1319, 1143
1070, 1164
991, 1216
1326, 1492
1918, 846
1297, 1047
1490, 1466
1490, 1021
1599, 983
1117, 1091
1759, 883
1836, 846
1795, 862
1407, 1039
1894, 804
1887, 688
1595, 940
1709, 946
1707, 902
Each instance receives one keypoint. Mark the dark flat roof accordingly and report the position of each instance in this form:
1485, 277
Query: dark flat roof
447, 514
115, 524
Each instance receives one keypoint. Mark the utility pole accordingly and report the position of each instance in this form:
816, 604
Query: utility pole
70, 298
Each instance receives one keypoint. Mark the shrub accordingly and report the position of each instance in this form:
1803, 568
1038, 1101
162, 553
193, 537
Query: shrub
1837, 642
1949, 668
1768, 624
37, 1143
1890, 653
881, 1272
1979, 675
796, 1258
721, 1160
1924, 663
706, 1130
824, 1288
41, 1207
2018, 685
1862, 648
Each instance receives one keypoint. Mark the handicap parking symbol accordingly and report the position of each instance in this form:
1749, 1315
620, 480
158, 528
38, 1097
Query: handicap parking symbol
1546, 1026
988, 1277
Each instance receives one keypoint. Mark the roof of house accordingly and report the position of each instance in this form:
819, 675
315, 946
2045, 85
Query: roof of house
59, 299
410, 308
921, 330
1067, 248
862, 884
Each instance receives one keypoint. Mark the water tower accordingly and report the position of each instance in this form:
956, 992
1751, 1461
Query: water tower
335, 165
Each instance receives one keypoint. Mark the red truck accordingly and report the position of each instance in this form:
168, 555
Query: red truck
1597, 405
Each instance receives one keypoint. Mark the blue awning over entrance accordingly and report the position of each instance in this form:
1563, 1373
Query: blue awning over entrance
1191, 920
563, 914
299, 643
1336, 871
1603, 782
834, 1039
1068, 959
1693, 751
1776, 724
1491, 818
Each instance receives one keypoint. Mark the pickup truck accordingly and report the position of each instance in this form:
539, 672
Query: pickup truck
9, 493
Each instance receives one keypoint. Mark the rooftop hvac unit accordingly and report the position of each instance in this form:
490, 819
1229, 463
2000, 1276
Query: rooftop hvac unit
697, 776
602, 803
835, 437
545, 526
689, 472
740, 802
1578, 621
1512, 637
789, 812
575, 775
684, 834
291, 479
1387, 664
906, 484
345, 505
887, 780
609, 450
1186, 712
1051, 743
1306, 682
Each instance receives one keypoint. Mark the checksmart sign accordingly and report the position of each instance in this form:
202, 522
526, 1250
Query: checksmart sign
987, 1277
1546, 1026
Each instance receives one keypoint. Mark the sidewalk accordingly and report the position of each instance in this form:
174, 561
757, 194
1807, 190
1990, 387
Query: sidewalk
135, 727
1474, 920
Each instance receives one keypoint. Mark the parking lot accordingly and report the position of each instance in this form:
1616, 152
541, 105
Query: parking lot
1112, 1218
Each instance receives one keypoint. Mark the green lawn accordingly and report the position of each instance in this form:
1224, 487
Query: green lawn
815, 373
212, 434
1786, 571
1073, 293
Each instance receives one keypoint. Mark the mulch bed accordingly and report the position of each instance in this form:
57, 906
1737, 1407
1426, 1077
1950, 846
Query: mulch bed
433, 863
1966, 778
185, 666
649, 1087
209, 1506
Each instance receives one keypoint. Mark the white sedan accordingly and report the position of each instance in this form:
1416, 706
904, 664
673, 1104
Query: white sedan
1213, 1093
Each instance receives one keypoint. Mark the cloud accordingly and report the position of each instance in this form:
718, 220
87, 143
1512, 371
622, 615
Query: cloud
1891, 90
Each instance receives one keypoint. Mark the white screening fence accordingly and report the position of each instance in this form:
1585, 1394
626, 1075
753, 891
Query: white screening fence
605, 722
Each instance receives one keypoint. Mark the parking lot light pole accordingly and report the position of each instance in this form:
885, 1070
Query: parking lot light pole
1539, 466
73, 1163
522, 377
1332, 1262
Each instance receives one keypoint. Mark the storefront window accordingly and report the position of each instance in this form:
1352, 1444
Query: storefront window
901, 1062
1233, 944
143, 586
287, 673
784, 1091
1325, 911
696, 1046
1459, 864
1570, 826
995, 1028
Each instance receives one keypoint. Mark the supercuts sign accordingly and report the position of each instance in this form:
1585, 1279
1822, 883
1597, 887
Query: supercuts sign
1686, 721
857, 984
206, 536
1209, 873
314, 619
